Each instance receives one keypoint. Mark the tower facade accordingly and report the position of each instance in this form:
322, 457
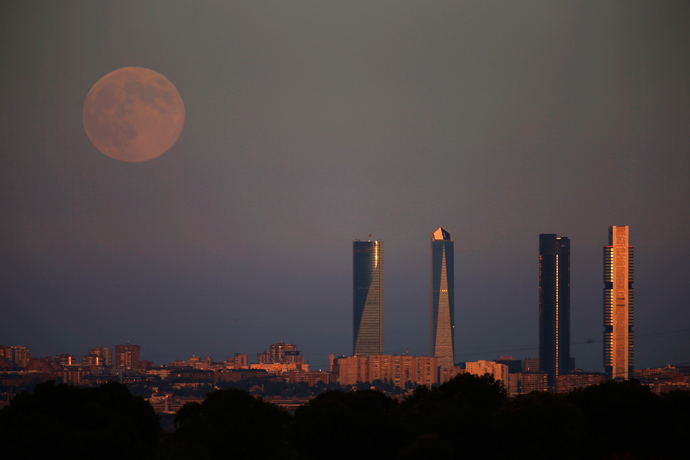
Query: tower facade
442, 298
554, 306
618, 304
367, 296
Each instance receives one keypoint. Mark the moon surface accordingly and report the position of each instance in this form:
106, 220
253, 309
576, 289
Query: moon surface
133, 114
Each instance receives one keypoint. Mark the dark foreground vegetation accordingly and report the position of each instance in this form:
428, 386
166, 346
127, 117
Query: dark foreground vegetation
467, 418
60, 420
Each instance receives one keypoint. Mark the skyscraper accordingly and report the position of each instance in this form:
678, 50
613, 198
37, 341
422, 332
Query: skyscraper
367, 296
554, 306
618, 304
442, 298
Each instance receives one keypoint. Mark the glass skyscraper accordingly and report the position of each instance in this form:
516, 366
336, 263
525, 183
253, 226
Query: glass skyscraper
442, 298
618, 304
367, 296
554, 306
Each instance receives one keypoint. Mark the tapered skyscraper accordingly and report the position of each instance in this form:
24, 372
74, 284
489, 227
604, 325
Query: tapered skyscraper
554, 306
367, 295
618, 304
442, 298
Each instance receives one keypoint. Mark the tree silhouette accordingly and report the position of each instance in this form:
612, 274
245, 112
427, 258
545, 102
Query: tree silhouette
457, 413
105, 421
357, 424
541, 424
231, 423
675, 422
623, 419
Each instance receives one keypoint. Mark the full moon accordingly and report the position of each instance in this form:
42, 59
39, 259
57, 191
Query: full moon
133, 114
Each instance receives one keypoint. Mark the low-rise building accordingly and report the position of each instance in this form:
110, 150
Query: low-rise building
568, 382
526, 382
398, 369
447, 373
499, 371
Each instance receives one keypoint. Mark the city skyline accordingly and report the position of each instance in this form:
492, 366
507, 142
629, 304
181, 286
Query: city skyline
554, 306
442, 291
311, 124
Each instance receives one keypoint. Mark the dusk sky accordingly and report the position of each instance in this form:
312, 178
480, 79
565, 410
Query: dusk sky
310, 124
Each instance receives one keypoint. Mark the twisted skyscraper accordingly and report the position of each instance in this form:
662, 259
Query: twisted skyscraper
367, 296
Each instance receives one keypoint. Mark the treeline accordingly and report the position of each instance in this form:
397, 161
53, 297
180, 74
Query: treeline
468, 417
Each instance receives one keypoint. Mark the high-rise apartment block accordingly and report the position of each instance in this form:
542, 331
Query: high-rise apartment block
65, 360
127, 356
442, 298
237, 361
367, 280
280, 352
15, 355
105, 355
554, 306
531, 365
618, 304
